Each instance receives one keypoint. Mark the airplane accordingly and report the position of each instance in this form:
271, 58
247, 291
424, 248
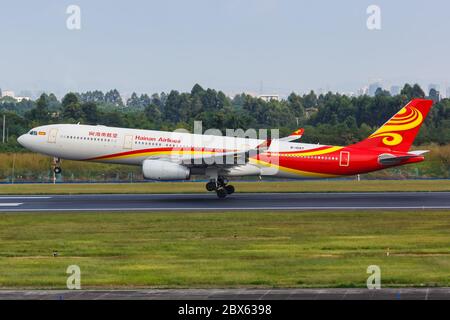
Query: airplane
178, 155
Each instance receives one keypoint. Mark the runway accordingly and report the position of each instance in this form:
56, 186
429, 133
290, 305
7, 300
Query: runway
237, 201
231, 294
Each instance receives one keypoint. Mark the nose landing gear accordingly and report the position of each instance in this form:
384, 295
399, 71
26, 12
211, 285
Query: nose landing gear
221, 187
56, 164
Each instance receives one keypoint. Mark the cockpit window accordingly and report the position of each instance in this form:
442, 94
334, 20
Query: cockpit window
33, 133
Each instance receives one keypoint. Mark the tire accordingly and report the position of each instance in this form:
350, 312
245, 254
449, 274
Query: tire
221, 193
229, 189
211, 186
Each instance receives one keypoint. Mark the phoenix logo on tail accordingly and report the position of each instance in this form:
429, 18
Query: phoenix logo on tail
399, 132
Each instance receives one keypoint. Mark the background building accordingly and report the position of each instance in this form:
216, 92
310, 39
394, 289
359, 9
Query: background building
11, 94
8, 93
363, 91
433, 86
395, 90
19, 99
373, 88
433, 92
269, 97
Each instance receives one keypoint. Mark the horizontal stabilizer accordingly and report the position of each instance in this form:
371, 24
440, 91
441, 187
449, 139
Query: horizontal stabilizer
389, 159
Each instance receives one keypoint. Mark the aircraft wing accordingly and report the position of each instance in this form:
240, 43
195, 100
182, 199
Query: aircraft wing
224, 159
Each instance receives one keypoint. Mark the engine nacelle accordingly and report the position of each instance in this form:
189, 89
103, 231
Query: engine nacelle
164, 170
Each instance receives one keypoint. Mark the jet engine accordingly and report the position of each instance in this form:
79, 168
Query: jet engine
164, 170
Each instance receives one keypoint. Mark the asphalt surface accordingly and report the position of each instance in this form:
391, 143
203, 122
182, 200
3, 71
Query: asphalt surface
238, 201
231, 294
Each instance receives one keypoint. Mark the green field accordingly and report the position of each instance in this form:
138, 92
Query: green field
230, 249
260, 186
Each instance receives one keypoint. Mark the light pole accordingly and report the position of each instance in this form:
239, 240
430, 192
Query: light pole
4, 122
13, 167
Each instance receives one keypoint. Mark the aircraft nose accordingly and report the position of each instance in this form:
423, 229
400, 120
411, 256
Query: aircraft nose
21, 140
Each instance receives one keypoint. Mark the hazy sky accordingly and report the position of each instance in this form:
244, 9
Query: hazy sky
233, 45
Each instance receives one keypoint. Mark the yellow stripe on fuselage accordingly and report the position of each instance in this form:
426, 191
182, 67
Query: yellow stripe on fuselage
309, 153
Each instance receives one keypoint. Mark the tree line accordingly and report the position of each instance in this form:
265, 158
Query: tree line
329, 118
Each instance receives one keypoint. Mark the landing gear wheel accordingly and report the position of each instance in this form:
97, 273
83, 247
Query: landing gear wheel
220, 185
229, 189
56, 165
211, 186
221, 193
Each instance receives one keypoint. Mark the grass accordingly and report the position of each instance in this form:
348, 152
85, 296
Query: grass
264, 186
230, 249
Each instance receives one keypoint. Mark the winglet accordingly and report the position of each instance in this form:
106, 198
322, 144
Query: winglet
297, 134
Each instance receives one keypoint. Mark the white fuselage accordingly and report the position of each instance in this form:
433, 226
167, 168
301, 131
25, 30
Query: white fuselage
133, 146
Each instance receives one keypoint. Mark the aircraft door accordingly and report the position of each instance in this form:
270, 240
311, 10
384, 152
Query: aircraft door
52, 135
344, 159
128, 142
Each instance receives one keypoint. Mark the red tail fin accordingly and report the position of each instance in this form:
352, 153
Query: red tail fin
399, 132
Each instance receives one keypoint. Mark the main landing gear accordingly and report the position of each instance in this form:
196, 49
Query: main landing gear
221, 186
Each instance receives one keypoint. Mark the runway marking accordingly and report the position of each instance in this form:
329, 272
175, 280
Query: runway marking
26, 198
227, 209
10, 204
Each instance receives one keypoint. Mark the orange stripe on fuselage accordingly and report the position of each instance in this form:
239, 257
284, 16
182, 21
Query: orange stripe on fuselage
311, 152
